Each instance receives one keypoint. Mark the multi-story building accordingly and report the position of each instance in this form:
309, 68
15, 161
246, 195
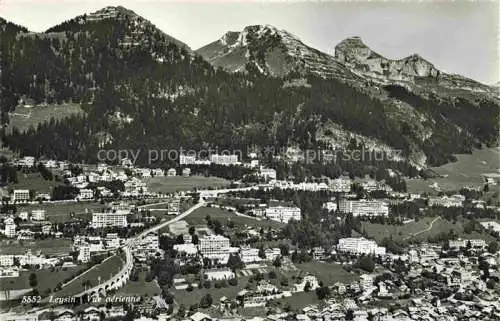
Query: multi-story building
50, 163
272, 253
213, 244
30, 259
121, 208
341, 185
445, 201
86, 193
313, 187
267, 173
84, 254
112, 241
283, 214
158, 172
63, 165
10, 227
364, 207
189, 249
101, 167
6, 260
150, 242
46, 229
366, 281
144, 172
125, 162
27, 161
370, 185
186, 172
149, 246
173, 206
38, 215
254, 163
187, 160
330, 206
250, 255
475, 243
218, 274
21, 195
360, 246
319, 253
224, 159
94, 243
307, 279
103, 219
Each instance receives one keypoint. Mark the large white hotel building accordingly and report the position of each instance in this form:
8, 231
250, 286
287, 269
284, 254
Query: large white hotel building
21, 195
341, 185
281, 214
103, 219
364, 207
213, 245
360, 245
224, 159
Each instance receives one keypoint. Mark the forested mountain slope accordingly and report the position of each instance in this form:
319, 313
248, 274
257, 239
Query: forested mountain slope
118, 66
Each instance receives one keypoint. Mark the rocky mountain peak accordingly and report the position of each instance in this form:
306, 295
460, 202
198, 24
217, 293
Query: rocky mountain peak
352, 42
353, 49
229, 38
362, 59
265, 28
135, 29
271, 50
111, 12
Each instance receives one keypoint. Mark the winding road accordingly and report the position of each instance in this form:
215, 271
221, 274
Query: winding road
424, 230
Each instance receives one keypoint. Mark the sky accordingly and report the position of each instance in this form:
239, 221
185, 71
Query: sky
457, 37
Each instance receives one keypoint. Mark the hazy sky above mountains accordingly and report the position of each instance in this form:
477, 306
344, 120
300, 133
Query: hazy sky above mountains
459, 37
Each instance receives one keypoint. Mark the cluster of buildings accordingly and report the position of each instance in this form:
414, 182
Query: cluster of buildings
91, 180
26, 225
12, 264
425, 263
218, 249
115, 311
342, 185
159, 172
86, 245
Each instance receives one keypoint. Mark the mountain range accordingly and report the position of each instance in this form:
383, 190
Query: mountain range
277, 53
258, 87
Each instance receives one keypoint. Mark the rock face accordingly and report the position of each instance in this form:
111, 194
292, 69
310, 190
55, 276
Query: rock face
271, 51
355, 54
